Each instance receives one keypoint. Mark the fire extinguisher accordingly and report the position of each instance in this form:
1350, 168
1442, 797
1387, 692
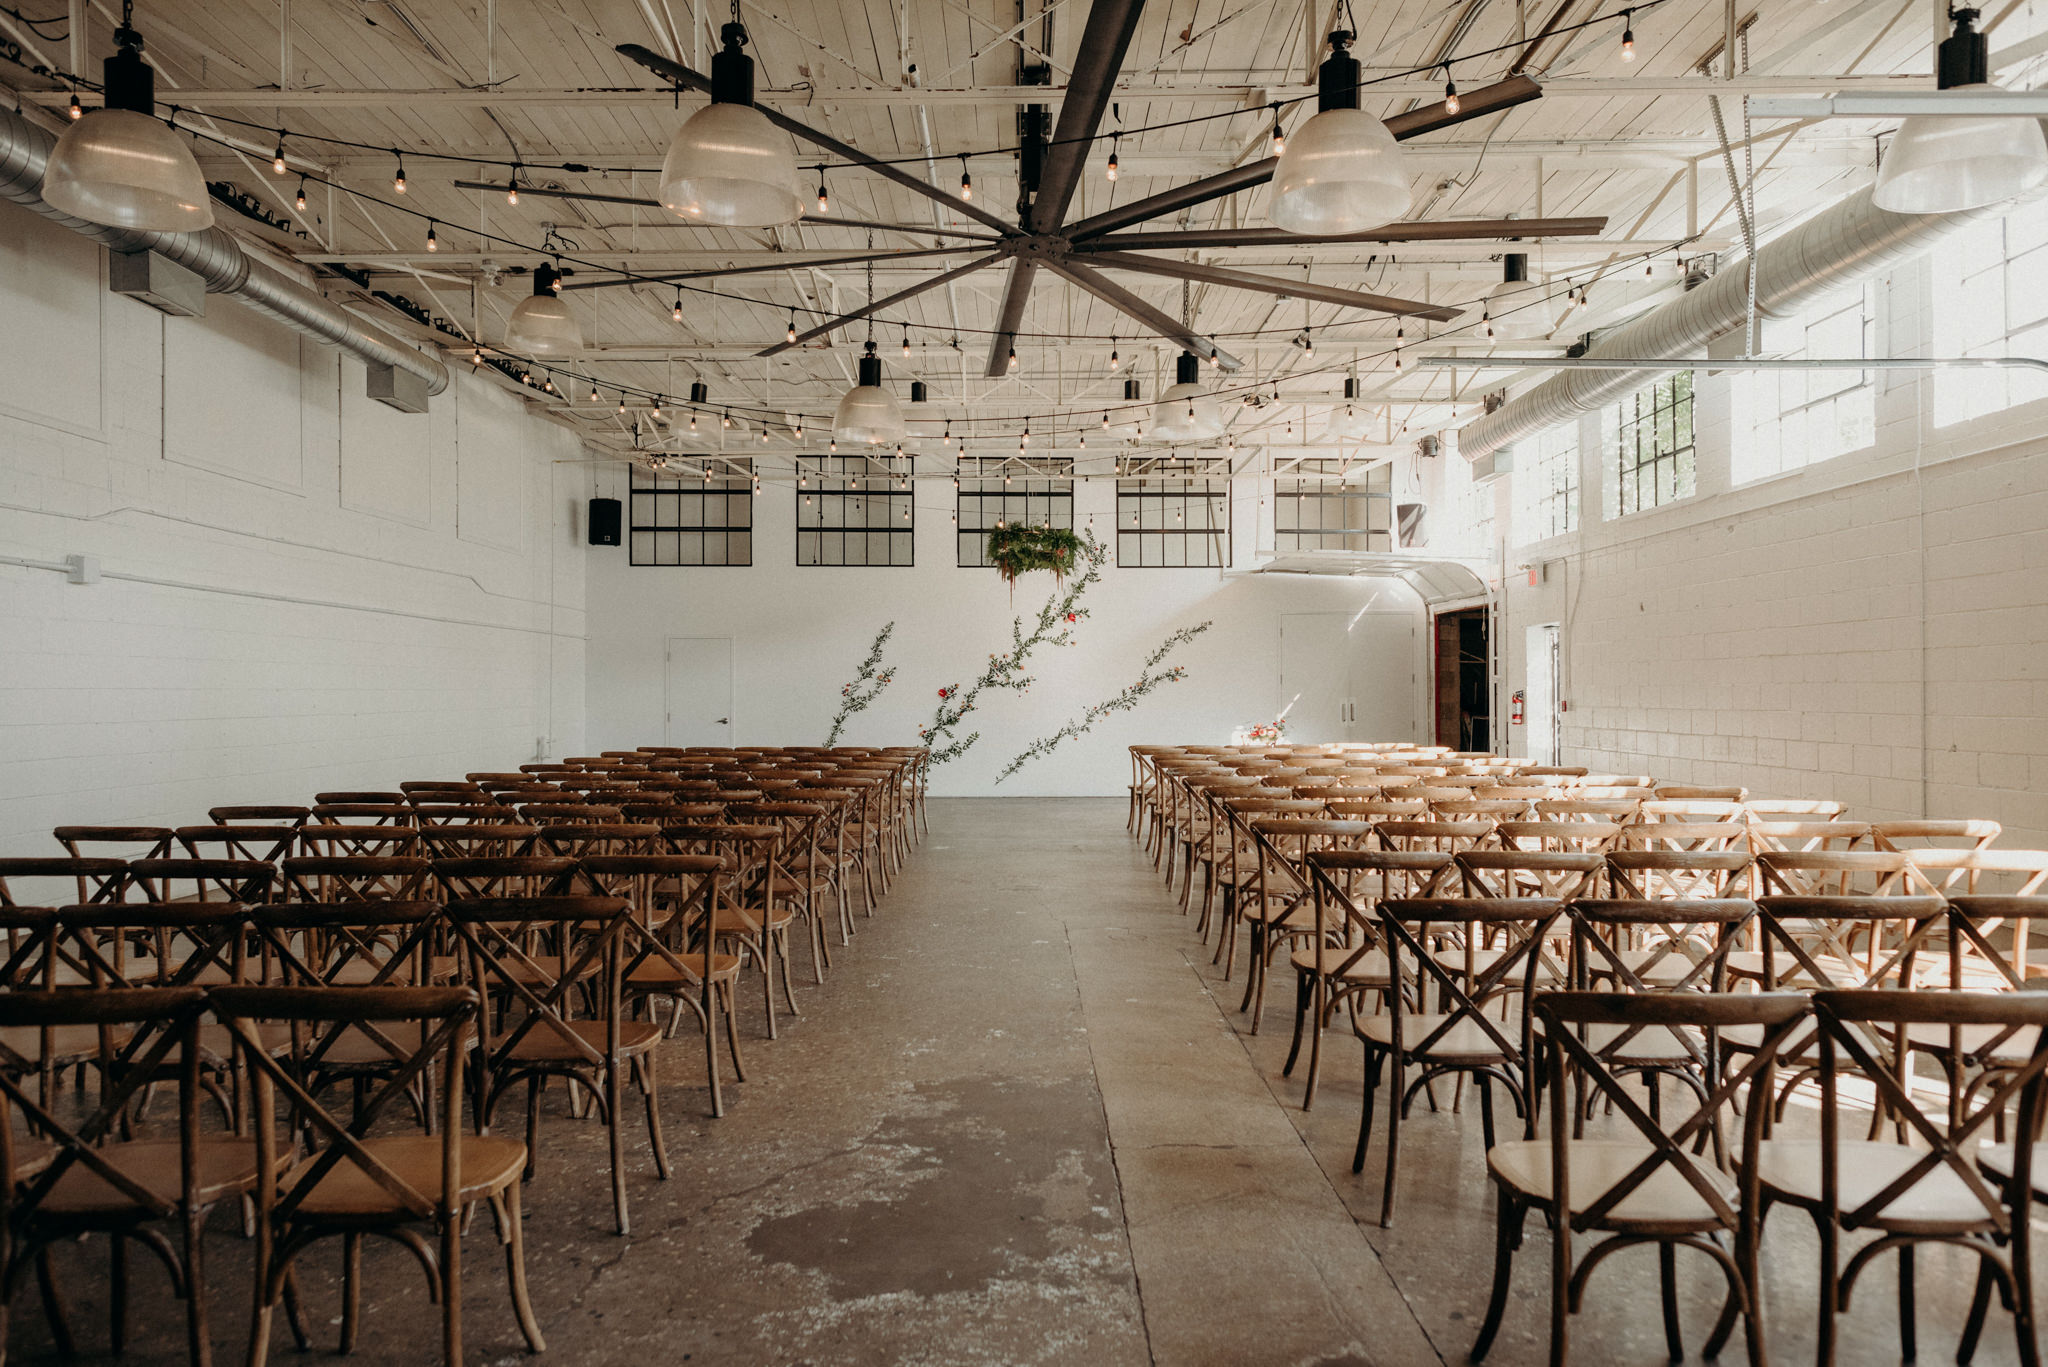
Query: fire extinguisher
1515, 709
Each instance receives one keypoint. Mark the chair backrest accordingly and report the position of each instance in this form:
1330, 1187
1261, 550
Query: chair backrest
117, 842
174, 944
1686, 835
1462, 991
262, 815
202, 880
500, 876
263, 844
1657, 945
1581, 809
1851, 1025
1432, 835
1590, 1034
1581, 836
2016, 873
357, 878
330, 944
613, 837
377, 799
1918, 835
419, 1027
330, 840
480, 840
579, 979
1807, 835
1640, 874
364, 814
1841, 873
92, 880
1847, 942
1555, 874
1994, 936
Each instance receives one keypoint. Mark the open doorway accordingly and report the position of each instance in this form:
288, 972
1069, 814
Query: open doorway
1464, 695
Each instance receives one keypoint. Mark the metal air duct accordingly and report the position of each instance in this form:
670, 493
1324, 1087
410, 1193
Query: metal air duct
1839, 246
219, 261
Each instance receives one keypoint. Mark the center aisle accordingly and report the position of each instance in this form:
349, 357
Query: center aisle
1012, 1127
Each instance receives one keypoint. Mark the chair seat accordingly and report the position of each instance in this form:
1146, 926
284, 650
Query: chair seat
1464, 1042
1997, 1159
1664, 1198
657, 974
489, 1165
1790, 1168
356, 1050
730, 920
1975, 1039
227, 1167
68, 1043
1370, 968
1747, 963
544, 1043
1649, 1044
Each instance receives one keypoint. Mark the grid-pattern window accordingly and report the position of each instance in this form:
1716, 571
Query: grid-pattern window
1324, 505
1786, 419
679, 518
998, 491
1546, 483
1167, 521
851, 510
1647, 439
1467, 526
1991, 299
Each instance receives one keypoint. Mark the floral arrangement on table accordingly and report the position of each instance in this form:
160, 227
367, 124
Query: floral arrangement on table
868, 682
1015, 548
1149, 678
1055, 626
1266, 731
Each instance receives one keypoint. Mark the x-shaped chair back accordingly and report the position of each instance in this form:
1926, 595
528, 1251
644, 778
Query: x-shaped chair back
1443, 836
92, 879
1558, 875
202, 880
1973, 872
483, 840
1696, 932
1807, 835
1925, 835
1641, 874
260, 844
1414, 931
172, 944
1846, 943
357, 878
1841, 873
613, 837
1578, 837
528, 875
496, 934
363, 814
329, 840
260, 815
117, 842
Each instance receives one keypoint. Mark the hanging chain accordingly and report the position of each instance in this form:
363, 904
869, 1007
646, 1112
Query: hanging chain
1750, 339
871, 286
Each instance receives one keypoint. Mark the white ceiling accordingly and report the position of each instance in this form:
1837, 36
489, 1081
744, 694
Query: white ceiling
539, 81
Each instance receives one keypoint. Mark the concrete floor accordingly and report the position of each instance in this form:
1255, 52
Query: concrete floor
1021, 1122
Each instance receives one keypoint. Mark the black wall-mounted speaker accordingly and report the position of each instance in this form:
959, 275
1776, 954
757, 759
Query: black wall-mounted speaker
604, 522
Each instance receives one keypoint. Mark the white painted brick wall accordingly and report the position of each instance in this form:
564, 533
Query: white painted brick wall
260, 636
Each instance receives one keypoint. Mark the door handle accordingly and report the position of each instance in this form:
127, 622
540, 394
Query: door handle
722, 721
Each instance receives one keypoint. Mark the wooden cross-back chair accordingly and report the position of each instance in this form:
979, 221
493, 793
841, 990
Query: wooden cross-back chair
546, 1038
1277, 905
363, 814
481, 840
1930, 1190
1440, 1021
92, 879
1644, 1181
1346, 960
356, 877
801, 877
669, 951
353, 1183
118, 842
331, 840
93, 1173
260, 814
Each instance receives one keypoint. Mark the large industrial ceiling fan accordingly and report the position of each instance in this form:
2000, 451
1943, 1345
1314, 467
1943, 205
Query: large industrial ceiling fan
1041, 238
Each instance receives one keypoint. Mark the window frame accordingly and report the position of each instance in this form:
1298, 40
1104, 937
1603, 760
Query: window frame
1622, 445
1055, 489
1136, 493
1310, 484
645, 491
833, 477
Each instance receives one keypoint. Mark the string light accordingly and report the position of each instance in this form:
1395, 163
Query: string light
1115, 362
693, 420
1628, 35
433, 243
799, 429
622, 396
791, 335
593, 394
725, 418
1110, 170
512, 186
300, 201
77, 111
1279, 136
1450, 91
476, 357
906, 342
1013, 360
655, 411
1215, 359
824, 204
276, 159
966, 181
398, 180
1105, 422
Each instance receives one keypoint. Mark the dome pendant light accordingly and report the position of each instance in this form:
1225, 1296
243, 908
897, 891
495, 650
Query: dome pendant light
120, 166
728, 165
868, 414
1944, 163
1186, 412
1516, 312
1341, 171
542, 324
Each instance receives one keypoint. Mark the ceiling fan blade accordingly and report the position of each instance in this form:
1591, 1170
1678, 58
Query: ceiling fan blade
642, 202
1441, 230
1267, 284
877, 305
1104, 40
850, 259
682, 75
1489, 99
1117, 297
1008, 318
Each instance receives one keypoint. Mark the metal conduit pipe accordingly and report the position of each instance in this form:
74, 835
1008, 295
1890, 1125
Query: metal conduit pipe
1839, 246
217, 259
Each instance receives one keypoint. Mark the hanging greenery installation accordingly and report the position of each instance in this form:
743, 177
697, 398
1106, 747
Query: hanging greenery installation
1014, 549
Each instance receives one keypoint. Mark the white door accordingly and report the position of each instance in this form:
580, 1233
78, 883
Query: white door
1315, 677
1384, 686
1539, 699
699, 698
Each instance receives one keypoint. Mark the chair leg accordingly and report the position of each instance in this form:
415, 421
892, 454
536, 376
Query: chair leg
645, 1067
710, 1004
1909, 1329
1394, 1109
53, 1306
1372, 1083
1973, 1327
1507, 1238
198, 1331
451, 1288
1667, 1290
117, 1294
732, 1032
515, 1270
1303, 992
613, 1095
351, 1289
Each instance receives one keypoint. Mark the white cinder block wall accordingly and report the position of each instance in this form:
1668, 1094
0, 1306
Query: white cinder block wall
799, 632
304, 589
1872, 629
